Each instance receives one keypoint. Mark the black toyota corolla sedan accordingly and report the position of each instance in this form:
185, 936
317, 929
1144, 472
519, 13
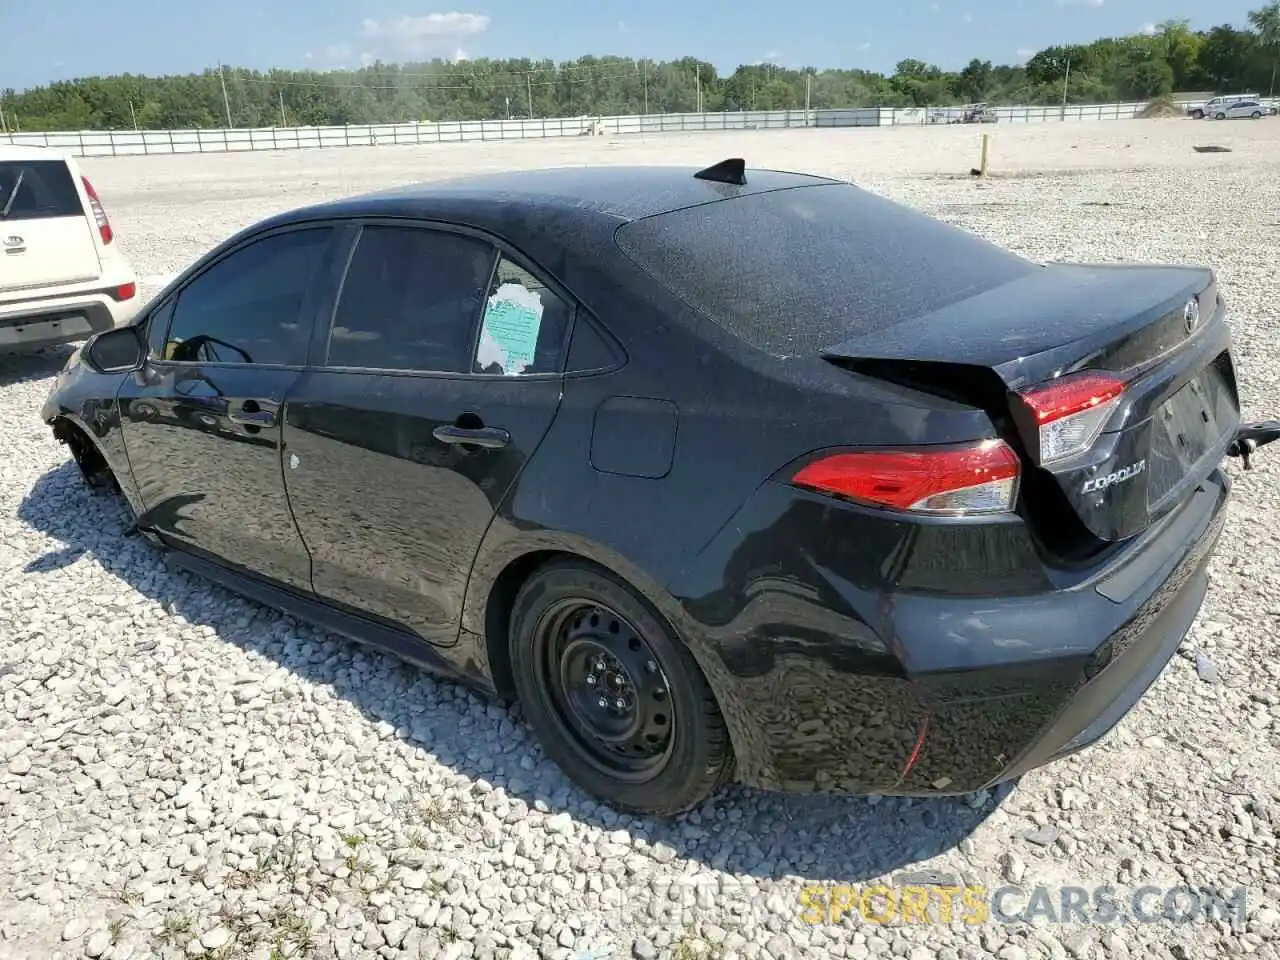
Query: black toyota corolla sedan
719, 473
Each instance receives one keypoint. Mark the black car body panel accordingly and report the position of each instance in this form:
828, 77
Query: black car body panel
849, 647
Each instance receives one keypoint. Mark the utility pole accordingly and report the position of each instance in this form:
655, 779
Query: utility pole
3, 126
646, 86
528, 80
508, 108
1066, 78
283, 122
226, 103
808, 88
697, 73
134, 116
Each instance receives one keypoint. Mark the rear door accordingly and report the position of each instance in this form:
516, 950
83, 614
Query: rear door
202, 422
407, 436
45, 236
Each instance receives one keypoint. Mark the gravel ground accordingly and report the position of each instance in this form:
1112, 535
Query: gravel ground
186, 773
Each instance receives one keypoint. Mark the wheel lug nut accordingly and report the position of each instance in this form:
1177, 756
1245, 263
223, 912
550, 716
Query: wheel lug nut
602, 703
620, 703
591, 680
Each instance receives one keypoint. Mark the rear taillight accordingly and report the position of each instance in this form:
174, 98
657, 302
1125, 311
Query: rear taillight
99, 214
1069, 413
978, 478
126, 291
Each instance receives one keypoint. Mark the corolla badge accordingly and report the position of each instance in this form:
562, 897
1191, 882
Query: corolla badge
13, 241
1191, 315
1095, 484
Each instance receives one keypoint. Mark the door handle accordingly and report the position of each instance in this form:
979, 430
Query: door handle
253, 418
491, 438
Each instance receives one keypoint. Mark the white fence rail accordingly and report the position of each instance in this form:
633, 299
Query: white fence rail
111, 143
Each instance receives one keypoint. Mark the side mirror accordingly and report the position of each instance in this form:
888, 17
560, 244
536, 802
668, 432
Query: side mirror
116, 351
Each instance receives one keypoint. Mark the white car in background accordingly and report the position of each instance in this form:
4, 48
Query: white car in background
1251, 109
62, 274
1211, 108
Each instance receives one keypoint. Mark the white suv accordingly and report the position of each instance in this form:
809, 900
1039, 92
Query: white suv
62, 275
1217, 105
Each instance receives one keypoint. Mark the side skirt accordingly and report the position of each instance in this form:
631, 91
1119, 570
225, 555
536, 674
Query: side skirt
399, 643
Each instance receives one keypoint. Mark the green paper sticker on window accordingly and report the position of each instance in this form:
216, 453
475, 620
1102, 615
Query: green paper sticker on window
509, 333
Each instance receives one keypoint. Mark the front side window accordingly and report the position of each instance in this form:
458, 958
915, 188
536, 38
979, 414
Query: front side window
247, 307
158, 329
523, 328
410, 300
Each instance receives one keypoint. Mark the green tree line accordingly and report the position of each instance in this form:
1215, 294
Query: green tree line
1172, 57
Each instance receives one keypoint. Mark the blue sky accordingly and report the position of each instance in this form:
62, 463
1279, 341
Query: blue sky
43, 40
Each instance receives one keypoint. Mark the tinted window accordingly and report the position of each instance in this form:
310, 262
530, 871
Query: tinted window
410, 300
523, 327
588, 350
793, 271
158, 328
246, 308
36, 189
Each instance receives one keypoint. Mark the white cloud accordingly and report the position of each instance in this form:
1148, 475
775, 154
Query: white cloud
1025, 53
337, 51
864, 45
416, 34
623, 27
459, 55
968, 18
367, 59
307, 56
1149, 29
935, 5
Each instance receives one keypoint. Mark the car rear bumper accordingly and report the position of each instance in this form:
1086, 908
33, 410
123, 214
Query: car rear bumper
826, 686
44, 322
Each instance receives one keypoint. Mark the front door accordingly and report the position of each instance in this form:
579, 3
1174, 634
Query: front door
202, 420
405, 439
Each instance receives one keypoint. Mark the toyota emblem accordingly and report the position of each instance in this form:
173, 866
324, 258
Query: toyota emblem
1191, 315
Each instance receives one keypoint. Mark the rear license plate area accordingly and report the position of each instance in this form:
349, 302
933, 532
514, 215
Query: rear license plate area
1186, 427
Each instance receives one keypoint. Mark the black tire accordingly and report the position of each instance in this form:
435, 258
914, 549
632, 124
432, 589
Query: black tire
571, 619
1257, 114
1220, 116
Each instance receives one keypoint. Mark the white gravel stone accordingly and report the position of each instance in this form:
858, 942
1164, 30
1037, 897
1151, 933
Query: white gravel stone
186, 763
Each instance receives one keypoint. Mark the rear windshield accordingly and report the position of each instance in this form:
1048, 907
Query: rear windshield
35, 189
791, 272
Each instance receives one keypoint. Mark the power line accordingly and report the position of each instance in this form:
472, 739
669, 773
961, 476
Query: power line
434, 86
550, 67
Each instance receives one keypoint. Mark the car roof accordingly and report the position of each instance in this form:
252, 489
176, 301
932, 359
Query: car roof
13, 151
618, 192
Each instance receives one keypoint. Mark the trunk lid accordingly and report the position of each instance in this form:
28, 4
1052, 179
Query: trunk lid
46, 238
1160, 329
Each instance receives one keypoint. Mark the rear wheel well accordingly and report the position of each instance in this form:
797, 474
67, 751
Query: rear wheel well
502, 600
497, 615
97, 472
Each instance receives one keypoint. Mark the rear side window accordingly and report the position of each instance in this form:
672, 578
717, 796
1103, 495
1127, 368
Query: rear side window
247, 307
410, 300
791, 272
523, 328
36, 190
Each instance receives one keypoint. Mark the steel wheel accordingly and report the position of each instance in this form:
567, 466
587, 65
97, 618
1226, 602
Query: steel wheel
615, 696
606, 684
